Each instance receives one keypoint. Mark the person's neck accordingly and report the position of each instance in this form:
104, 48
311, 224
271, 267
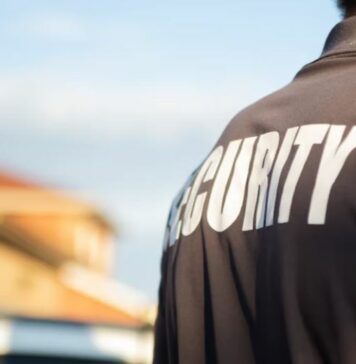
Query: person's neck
350, 13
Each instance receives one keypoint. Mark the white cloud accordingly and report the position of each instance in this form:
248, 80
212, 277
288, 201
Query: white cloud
56, 104
49, 27
54, 101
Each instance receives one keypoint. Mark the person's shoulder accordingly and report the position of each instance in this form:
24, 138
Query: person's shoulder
260, 116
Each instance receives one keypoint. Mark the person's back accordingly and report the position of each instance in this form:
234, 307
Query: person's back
260, 256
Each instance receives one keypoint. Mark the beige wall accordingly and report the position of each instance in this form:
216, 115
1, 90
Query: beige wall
78, 237
31, 288
27, 285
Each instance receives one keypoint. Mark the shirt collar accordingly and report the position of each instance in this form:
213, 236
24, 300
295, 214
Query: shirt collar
342, 38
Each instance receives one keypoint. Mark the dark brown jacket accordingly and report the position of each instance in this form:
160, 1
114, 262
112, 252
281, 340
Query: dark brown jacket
259, 264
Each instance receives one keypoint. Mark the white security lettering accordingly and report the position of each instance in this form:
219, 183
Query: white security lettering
281, 160
307, 137
250, 174
177, 227
258, 184
221, 215
195, 204
332, 161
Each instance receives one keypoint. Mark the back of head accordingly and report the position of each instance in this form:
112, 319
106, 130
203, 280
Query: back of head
348, 7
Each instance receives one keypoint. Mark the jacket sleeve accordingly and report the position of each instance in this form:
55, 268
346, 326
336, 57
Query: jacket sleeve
162, 354
161, 342
161, 346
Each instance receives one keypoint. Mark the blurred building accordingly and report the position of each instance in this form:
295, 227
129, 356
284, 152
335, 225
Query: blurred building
57, 300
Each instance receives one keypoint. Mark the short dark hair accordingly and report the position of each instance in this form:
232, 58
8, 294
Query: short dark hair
347, 6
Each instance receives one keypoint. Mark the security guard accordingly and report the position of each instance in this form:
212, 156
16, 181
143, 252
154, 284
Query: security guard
259, 264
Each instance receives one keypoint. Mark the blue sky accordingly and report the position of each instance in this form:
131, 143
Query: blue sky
119, 100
